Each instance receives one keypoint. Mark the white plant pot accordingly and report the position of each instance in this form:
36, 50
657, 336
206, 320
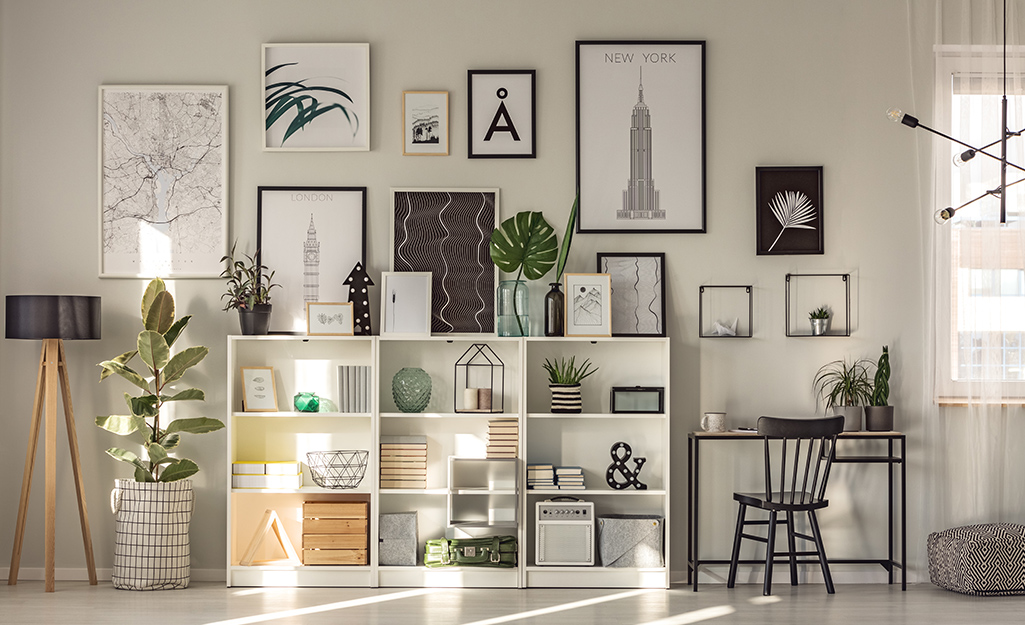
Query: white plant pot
851, 417
151, 547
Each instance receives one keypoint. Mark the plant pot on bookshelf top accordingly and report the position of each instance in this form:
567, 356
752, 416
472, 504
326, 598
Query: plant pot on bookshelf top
255, 321
566, 398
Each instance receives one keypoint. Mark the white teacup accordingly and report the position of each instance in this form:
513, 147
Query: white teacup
714, 422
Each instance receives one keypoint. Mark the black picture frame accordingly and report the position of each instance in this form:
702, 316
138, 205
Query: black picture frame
638, 292
501, 113
788, 223
337, 217
640, 117
637, 400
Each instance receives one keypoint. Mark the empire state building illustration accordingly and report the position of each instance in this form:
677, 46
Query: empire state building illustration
311, 265
640, 199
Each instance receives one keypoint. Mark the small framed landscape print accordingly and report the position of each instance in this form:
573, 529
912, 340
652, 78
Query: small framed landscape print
638, 292
406, 303
789, 210
425, 123
316, 96
258, 391
329, 319
502, 111
588, 304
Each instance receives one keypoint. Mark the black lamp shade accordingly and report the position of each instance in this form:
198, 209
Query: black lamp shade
53, 317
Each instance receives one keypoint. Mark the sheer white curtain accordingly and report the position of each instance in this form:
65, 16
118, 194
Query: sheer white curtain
973, 429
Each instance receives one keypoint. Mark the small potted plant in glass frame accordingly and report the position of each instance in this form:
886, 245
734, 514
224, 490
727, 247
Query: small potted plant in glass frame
564, 377
819, 319
249, 286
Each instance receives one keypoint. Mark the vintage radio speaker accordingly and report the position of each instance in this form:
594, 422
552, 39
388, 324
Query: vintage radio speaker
565, 533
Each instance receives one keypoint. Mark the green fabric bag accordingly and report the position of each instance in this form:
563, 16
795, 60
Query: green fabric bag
487, 551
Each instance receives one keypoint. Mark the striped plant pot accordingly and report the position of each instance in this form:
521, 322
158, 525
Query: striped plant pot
565, 398
151, 548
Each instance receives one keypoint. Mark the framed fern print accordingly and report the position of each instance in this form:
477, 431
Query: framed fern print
789, 210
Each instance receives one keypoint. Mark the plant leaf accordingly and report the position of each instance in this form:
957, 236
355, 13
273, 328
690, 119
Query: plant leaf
792, 209
126, 373
187, 394
161, 313
153, 349
179, 470
155, 286
122, 359
157, 453
567, 239
526, 243
143, 406
171, 441
176, 329
181, 361
121, 425
196, 425
126, 456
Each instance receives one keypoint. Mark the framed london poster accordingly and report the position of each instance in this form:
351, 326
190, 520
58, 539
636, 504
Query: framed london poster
641, 136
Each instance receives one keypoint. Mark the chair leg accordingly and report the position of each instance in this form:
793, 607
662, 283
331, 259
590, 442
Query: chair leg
732, 579
792, 545
814, 522
770, 553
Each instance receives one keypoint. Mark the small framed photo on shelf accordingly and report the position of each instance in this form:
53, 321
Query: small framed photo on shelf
588, 304
502, 112
425, 123
638, 399
406, 303
258, 391
329, 319
789, 210
638, 292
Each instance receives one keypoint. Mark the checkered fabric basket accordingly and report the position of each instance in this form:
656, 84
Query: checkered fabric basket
986, 559
151, 548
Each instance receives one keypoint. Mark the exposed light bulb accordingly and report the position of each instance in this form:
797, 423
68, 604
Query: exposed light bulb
964, 157
897, 115
942, 216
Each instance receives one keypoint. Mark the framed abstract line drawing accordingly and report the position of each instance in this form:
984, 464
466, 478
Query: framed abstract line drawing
425, 123
329, 319
501, 112
311, 238
448, 233
588, 304
638, 292
789, 210
163, 172
258, 391
406, 303
641, 136
316, 96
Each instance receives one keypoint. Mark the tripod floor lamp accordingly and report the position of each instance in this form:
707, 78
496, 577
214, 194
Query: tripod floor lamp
52, 318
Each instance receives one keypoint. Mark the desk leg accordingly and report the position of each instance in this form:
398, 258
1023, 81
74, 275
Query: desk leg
903, 516
690, 508
695, 512
889, 509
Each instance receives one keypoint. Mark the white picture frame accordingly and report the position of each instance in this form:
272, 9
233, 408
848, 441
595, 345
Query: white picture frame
502, 113
406, 303
163, 181
425, 123
316, 97
588, 304
329, 319
259, 393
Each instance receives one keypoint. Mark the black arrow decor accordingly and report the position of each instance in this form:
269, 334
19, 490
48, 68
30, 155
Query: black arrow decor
359, 283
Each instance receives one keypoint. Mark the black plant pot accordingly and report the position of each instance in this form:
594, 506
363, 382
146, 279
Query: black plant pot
879, 418
255, 321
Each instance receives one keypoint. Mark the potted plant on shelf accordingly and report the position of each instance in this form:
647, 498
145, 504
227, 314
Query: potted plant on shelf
525, 244
154, 509
819, 319
879, 414
564, 377
845, 388
249, 286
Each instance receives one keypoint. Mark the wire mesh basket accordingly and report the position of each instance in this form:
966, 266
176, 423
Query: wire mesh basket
339, 468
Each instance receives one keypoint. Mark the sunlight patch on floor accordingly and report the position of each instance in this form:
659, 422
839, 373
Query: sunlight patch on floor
696, 616
327, 607
559, 608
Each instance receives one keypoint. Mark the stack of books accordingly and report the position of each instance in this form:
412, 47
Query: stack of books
540, 476
354, 388
403, 462
503, 438
276, 475
569, 478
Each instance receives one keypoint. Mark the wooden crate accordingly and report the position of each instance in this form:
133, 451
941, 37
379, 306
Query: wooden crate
335, 532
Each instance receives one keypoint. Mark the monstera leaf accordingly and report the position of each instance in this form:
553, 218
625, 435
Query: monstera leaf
792, 209
525, 243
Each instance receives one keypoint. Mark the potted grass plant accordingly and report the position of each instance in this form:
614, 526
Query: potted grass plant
248, 291
879, 414
564, 378
844, 388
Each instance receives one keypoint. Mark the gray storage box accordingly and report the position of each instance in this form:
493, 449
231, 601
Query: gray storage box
397, 545
630, 540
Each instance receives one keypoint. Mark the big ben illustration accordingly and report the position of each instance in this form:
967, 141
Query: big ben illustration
311, 264
640, 198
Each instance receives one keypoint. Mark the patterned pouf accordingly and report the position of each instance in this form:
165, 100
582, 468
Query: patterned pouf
987, 559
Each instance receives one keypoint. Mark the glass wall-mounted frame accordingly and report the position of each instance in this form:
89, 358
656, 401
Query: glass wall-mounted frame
725, 311
810, 291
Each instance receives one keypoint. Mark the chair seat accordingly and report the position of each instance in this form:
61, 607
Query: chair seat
781, 503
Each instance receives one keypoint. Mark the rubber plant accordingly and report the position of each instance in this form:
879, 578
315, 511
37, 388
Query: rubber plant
525, 244
162, 370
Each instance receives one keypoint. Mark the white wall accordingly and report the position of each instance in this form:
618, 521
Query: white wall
797, 82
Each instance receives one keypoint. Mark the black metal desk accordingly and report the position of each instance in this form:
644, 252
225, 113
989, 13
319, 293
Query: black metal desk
694, 561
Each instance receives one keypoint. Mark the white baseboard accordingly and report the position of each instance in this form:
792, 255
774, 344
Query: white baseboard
34, 574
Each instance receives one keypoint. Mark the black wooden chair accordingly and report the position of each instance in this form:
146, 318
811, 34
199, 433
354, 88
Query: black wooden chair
804, 450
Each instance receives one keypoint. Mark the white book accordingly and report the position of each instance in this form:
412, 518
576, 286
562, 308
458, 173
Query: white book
265, 468
267, 481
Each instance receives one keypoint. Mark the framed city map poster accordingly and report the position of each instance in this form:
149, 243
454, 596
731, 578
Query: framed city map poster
641, 136
163, 167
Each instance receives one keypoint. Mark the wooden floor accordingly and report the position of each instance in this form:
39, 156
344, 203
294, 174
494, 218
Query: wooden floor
213, 604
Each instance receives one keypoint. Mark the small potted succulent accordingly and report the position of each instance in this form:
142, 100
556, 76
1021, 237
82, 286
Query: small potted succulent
819, 320
564, 377
249, 286
879, 415
844, 388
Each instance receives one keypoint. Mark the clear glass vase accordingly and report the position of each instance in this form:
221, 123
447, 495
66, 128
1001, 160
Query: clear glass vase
555, 311
513, 308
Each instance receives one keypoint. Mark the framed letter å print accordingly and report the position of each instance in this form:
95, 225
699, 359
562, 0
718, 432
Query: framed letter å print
502, 110
641, 136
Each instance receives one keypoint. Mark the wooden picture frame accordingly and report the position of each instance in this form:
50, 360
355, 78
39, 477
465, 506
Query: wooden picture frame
425, 123
501, 113
259, 393
406, 303
638, 292
788, 210
588, 304
329, 319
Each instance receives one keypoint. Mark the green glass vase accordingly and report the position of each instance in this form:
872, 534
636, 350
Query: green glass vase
306, 402
411, 389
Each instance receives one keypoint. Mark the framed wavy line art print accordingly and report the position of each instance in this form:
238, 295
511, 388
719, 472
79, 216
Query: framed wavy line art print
638, 292
448, 233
